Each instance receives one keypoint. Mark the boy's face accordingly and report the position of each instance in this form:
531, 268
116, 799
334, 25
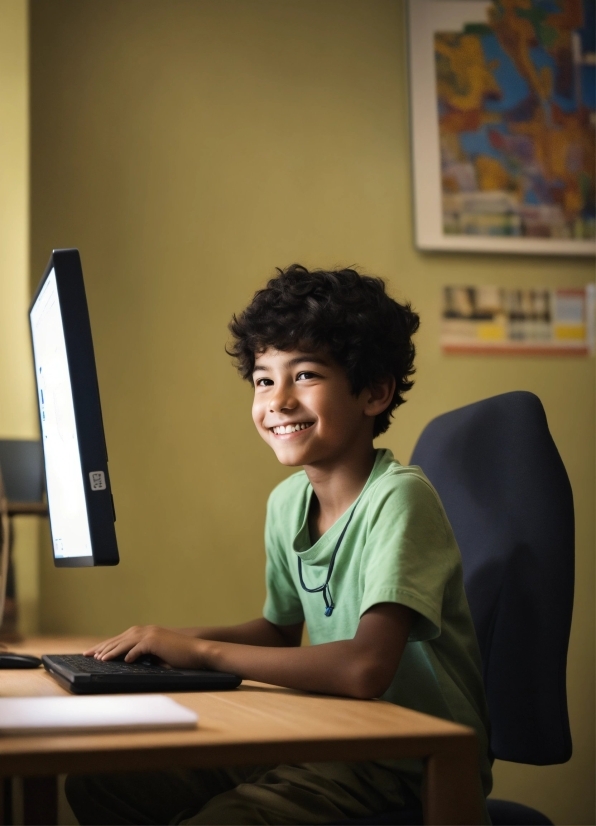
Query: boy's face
305, 410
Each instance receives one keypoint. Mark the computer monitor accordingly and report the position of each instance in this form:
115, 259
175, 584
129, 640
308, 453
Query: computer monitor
80, 501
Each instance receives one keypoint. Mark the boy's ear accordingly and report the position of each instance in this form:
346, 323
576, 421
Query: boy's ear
379, 395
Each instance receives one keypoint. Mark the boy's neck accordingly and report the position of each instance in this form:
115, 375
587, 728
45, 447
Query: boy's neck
336, 486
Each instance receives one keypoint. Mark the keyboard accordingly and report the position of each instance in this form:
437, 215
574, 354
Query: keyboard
86, 675
89, 665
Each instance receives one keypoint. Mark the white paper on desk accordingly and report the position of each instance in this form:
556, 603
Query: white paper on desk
114, 712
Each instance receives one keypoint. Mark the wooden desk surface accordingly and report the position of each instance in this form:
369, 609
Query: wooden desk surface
255, 723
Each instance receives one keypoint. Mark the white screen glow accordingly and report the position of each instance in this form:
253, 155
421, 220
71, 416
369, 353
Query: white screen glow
64, 475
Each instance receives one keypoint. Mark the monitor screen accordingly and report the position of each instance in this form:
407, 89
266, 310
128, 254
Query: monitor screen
64, 475
73, 441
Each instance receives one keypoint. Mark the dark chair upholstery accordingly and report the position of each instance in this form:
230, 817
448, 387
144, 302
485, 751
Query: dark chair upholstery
508, 499
22, 473
21, 461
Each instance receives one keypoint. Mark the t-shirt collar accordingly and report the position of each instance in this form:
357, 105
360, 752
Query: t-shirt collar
320, 552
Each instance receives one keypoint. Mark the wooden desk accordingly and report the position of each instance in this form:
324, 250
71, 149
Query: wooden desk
256, 723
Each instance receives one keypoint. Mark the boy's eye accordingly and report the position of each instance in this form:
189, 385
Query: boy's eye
263, 382
306, 374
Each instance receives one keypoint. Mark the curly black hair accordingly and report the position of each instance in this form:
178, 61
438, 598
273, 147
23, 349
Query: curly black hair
348, 315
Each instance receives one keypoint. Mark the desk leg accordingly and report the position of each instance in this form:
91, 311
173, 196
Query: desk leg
451, 790
40, 801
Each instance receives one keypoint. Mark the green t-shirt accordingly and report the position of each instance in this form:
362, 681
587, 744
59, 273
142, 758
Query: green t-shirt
399, 547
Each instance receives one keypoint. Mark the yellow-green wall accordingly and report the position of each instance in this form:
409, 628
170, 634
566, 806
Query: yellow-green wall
17, 398
188, 147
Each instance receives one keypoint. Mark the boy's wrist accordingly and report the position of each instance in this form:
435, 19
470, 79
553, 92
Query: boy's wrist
206, 653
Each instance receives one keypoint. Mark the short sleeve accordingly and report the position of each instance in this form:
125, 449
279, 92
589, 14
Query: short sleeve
282, 603
410, 552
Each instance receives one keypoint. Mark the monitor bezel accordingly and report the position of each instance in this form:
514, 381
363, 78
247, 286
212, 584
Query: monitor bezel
66, 264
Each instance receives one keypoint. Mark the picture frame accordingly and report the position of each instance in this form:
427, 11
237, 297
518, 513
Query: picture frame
521, 321
488, 175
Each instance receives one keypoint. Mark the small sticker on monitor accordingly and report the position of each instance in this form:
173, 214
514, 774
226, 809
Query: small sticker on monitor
98, 480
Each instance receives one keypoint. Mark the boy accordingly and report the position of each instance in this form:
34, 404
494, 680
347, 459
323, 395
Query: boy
358, 547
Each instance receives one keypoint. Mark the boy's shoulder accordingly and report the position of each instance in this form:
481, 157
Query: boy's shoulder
293, 486
393, 475
287, 504
394, 495
387, 477
398, 488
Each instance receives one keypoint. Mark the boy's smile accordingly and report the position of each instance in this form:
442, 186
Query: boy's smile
290, 429
304, 407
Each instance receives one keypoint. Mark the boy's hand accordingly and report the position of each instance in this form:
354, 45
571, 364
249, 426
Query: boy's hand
361, 667
174, 648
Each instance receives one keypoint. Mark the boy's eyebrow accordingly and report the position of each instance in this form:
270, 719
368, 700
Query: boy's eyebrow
297, 360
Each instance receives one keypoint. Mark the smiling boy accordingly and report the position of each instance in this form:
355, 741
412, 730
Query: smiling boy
358, 548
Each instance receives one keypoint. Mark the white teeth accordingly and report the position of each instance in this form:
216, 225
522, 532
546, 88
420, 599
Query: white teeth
291, 428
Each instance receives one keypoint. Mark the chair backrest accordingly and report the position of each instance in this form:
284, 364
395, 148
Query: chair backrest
507, 495
21, 461
4, 545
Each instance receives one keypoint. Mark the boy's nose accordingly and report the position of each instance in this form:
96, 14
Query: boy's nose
283, 399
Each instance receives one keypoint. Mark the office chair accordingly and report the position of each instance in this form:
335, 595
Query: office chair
4, 542
21, 490
21, 493
21, 461
507, 496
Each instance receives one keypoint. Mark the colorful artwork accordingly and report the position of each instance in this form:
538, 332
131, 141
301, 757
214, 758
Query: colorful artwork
522, 321
516, 113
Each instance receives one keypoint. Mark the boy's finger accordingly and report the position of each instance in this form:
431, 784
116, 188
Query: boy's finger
97, 650
122, 639
101, 646
115, 650
106, 646
115, 646
135, 652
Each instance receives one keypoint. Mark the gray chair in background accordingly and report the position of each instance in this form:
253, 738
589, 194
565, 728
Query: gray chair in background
21, 494
4, 544
21, 462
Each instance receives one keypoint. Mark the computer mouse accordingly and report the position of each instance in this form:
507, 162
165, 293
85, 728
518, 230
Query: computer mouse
11, 660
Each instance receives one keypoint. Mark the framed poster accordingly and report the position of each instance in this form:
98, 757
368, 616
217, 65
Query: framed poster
503, 117
524, 321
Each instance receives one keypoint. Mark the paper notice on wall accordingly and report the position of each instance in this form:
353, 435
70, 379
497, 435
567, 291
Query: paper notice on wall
516, 321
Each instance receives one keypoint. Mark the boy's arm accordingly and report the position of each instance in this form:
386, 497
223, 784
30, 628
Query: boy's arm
362, 667
256, 632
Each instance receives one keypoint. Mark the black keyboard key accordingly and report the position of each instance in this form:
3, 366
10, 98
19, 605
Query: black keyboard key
89, 665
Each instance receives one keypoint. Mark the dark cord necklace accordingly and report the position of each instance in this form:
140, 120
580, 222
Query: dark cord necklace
329, 604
